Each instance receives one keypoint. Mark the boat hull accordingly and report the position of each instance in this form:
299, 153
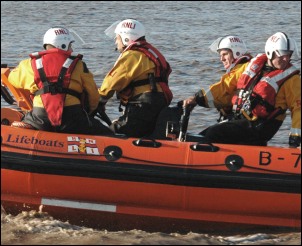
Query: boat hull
156, 200
88, 178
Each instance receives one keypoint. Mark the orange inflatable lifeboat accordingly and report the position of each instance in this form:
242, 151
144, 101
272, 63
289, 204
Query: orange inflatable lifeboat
94, 180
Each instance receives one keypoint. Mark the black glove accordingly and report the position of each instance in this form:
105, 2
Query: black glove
101, 107
200, 99
188, 106
294, 141
180, 103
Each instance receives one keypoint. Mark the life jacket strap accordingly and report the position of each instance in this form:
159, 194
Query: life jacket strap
55, 87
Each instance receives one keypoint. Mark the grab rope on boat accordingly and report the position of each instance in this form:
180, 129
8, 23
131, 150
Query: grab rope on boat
118, 155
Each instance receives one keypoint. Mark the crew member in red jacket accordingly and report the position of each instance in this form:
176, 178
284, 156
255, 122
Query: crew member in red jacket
58, 80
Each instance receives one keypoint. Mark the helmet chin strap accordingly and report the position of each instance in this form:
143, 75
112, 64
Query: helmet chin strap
270, 63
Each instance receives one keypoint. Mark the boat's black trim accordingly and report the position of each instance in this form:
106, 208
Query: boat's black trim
184, 176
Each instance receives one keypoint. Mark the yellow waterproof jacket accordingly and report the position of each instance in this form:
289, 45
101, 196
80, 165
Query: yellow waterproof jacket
23, 77
289, 97
131, 66
219, 95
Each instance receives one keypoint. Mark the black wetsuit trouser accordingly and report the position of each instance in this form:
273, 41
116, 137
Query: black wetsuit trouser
140, 115
242, 131
74, 120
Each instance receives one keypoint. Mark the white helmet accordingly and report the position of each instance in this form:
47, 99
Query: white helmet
234, 43
280, 44
59, 37
130, 30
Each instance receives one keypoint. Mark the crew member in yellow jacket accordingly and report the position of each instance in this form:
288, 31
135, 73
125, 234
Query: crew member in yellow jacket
269, 86
139, 78
235, 58
57, 80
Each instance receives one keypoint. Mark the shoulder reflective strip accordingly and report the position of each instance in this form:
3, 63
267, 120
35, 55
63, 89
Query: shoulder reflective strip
78, 205
295, 131
35, 54
273, 81
67, 63
151, 51
248, 70
39, 63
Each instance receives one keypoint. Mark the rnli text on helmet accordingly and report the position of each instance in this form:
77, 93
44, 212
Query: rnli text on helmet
274, 39
60, 31
235, 40
128, 25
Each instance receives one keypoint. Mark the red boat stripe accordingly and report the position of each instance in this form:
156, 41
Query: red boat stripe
79, 205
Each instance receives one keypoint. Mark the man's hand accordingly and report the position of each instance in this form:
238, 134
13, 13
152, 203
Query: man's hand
200, 99
189, 101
